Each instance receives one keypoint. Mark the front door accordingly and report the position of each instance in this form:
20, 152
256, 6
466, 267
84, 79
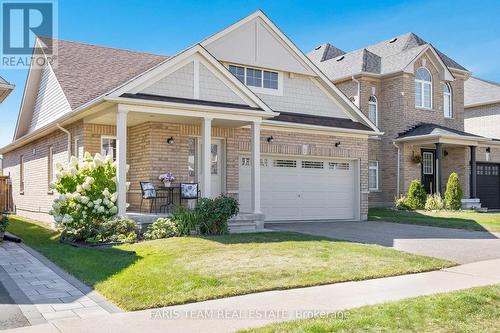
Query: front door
216, 166
428, 171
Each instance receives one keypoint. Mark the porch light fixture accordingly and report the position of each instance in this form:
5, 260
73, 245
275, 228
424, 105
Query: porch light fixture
337, 144
270, 139
445, 153
171, 140
488, 149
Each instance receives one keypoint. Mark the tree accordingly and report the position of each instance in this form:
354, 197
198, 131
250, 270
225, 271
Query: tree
416, 197
453, 194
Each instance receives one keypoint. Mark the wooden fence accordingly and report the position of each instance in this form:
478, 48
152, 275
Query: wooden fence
6, 204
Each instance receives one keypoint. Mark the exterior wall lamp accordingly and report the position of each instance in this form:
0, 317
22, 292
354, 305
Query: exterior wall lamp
270, 139
171, 140
337, 144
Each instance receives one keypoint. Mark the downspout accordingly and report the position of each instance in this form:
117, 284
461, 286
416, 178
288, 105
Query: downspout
397, 177
359, 91
69, 139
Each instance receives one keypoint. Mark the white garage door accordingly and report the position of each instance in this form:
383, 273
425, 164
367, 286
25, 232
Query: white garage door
302, 189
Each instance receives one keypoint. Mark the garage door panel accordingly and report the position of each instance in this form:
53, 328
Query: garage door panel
488, 184
317, 189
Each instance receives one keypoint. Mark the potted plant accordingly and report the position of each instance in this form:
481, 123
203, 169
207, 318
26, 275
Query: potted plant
4, 222
167, 178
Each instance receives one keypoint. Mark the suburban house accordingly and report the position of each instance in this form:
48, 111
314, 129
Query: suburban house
415, 95
243, 112
5, 89
482, 117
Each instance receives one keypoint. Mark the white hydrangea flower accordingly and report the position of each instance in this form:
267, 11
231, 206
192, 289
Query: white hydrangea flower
114, 197
73, 161
113, 210
106, 192
84, 200
86, 186
59, 166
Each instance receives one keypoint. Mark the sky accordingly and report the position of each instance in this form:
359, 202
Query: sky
467, 31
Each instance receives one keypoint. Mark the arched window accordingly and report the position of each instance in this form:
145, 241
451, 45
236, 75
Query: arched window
423, 88
447, 101
373, 110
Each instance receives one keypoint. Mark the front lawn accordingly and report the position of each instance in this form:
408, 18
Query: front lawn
469, 220
472, 310
188, 269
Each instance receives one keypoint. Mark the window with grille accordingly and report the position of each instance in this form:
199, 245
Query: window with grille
423, 88
285, 163
264, 81
338, 166
312, 165
428, 163
373, 175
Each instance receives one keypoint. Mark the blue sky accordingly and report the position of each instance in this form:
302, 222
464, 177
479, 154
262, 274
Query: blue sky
467, 31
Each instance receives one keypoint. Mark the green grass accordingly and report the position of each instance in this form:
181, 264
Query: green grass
472, 310
188, 269
469, 220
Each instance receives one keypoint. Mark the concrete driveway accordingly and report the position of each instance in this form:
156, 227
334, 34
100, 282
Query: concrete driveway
456, 245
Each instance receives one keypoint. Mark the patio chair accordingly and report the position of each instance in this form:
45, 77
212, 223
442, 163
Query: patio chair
189, 191
149, 192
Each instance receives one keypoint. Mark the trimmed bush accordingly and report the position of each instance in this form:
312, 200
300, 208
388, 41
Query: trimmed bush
185, 220
434, 202
400, 203
453, 194
416, 196
161, 228
213, 214
118, 229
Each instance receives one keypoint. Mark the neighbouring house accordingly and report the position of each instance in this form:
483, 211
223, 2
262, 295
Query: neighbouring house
482, 117
243, 112
415, 95
5, 90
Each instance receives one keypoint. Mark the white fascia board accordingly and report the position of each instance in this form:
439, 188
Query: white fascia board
316, 129
448, 76
466, 140
471, 105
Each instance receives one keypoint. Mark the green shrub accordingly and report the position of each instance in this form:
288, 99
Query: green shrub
434, 202
213, 214
453, 194
4, 222
185, 220
416, 195
118, 229
400, 203
161, 228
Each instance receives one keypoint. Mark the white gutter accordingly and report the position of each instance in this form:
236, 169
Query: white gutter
399, 161
358, 100
69, 139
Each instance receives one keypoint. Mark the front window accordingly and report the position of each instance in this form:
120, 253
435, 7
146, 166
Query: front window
423, 88
428, 163
373, 110
108, 146
447, 101
373, 175
266, 81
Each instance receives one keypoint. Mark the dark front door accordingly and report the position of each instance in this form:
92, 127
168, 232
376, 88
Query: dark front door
488, 184
428, 171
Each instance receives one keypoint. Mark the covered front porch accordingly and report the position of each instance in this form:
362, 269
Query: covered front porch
196, 146
430, 153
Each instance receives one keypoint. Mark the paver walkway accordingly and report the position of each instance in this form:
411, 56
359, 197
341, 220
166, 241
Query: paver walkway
461, 246
253, 310
43, 291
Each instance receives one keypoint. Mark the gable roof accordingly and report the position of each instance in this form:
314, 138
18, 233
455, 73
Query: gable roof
480, 92
426, 129
87, 71
5, 89
382, 58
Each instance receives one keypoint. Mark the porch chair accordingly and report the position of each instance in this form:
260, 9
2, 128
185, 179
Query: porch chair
189, 191
149, 192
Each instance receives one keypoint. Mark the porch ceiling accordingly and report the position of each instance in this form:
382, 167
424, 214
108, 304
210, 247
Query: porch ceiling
108, 117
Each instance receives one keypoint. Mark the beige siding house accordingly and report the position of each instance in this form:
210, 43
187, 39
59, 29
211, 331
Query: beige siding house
415, 95
243, 113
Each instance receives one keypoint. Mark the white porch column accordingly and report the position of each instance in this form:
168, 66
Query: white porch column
255, 162
206, 157
121, 159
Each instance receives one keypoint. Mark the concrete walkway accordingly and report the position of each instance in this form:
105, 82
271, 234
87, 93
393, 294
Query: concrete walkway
42, 291
461, 246
230, 314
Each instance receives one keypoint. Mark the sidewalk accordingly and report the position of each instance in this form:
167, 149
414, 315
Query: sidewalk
280, 305
43, 291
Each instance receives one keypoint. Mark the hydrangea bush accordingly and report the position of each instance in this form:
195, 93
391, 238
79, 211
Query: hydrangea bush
87, 196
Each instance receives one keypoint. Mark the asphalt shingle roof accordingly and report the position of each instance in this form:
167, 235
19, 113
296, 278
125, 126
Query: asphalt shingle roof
381, 58
433, 129
87, 71
478, 91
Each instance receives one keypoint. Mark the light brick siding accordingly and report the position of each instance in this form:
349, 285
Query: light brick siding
482, 156
35, 202
396, 114
483, 120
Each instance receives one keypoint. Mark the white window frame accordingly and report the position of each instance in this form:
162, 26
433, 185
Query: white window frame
376, 108
268, 91
374, 167
449, 95
428, 169
103, 137
422, 84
